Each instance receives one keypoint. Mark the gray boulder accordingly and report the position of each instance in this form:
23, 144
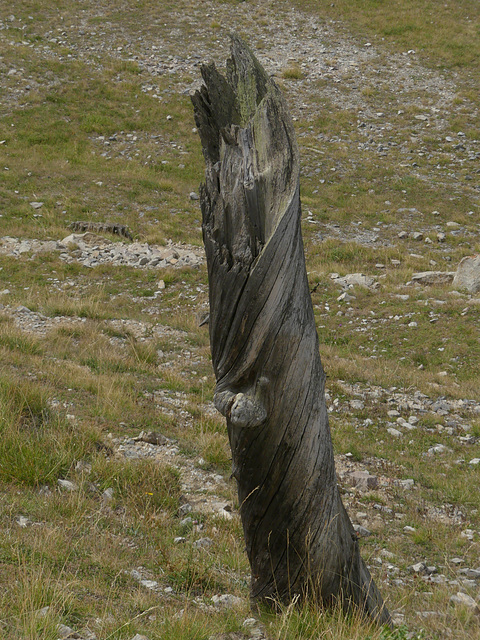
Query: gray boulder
467, 275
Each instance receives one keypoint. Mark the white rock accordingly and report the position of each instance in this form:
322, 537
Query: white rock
464, 599
227, 601
419, 567
67, 485
352, 279
395, 432
467, 275
436, 449
149, 584
23, 521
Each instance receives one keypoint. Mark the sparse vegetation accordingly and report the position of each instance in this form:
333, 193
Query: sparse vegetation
96, 125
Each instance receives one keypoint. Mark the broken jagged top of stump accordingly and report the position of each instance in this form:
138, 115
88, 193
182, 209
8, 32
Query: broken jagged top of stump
245, 112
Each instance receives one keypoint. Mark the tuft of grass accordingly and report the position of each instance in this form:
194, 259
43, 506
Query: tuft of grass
37, 445
293, 72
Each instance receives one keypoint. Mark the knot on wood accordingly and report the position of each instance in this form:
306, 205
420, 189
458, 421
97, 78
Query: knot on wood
242, 409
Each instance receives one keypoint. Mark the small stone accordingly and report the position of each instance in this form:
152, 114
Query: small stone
474, 461
64, 631
184, 509
152, 437
409, 529
179, 540
36, 205
417, 235
363, 480
23, 521
227, 601
441, 237
357, 405
395, 432
203, 543
464, 599
362, 532
436, 449
138, 636
398, 619
67, 485
419, 567
467, 533
194, 196
186, 522
471, 574
149, 584
456, 561
161, 284
107, 495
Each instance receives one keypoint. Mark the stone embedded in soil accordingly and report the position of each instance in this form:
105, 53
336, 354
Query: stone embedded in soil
419, 568
203, 543
363, 480
433, 277
227, 601
184, 509
467, 275
362, 532
465, 600
67, 485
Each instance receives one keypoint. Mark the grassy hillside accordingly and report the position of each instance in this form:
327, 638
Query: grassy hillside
112, 532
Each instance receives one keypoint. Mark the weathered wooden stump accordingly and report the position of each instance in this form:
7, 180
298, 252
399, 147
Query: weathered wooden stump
270, 381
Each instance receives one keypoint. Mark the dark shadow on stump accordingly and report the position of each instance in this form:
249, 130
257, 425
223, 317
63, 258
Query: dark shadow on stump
270, 381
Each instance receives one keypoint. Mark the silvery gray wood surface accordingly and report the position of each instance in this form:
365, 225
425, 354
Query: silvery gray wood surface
270, 381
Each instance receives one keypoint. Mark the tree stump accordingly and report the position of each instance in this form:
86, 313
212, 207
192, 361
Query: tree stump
270, 381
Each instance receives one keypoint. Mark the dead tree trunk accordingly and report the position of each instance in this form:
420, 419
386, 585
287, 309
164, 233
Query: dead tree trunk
270, 381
